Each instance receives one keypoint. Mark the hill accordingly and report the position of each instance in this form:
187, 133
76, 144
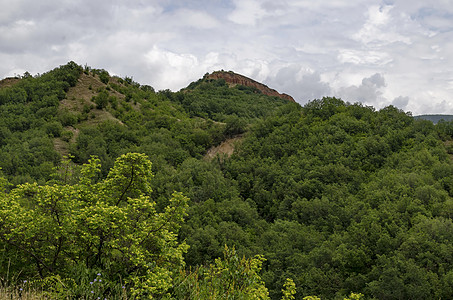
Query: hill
338, 197
435, 118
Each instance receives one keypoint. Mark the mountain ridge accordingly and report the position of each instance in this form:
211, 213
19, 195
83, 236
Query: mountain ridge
435, 118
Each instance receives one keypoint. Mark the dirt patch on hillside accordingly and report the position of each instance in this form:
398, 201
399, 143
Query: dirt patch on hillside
9, 81
87, 86
78, 99
78, 102
225, 148
61, 145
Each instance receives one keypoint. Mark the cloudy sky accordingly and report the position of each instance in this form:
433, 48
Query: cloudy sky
379, 53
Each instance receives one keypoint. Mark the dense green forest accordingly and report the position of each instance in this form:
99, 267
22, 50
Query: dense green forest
104, 178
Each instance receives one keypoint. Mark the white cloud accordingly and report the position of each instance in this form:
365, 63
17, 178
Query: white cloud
247, 12
170, 68
305, 48
379, 28
196, 19
361, 57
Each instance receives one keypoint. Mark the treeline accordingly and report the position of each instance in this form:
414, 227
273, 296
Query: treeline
338, 198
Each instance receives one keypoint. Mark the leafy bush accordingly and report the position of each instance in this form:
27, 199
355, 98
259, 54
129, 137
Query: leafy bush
67, 118
104, 76
101, 99
53, 129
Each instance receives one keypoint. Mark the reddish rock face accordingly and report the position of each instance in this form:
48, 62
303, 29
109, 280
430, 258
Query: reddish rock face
234, 79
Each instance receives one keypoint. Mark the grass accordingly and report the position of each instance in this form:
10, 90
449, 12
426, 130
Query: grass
24, 294
54, 287
80, 95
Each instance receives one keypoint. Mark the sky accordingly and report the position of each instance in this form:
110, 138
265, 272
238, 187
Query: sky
379, 53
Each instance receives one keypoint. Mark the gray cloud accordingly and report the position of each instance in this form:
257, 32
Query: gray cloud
368, 92
305, 48
303, 84
400, 102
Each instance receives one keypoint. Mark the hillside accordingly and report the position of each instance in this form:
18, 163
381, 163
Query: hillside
338, 197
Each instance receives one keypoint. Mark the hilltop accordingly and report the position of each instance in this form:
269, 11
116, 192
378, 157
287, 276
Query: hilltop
234, 79
9, 81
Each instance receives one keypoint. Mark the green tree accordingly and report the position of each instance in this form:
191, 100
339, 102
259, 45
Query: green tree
109, 226
101, 100
104, 76
234, 125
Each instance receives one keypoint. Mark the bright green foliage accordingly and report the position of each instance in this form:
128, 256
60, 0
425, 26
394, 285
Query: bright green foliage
354, 296
289, 290
108, 225
229, 278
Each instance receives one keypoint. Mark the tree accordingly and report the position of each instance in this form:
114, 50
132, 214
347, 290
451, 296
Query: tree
109, 226
289, 290
101, 100
104, 76
234, 126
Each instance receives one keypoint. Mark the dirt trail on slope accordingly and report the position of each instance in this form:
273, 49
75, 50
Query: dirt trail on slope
225, 148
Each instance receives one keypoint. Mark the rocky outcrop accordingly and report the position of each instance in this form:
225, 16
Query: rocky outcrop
234, 79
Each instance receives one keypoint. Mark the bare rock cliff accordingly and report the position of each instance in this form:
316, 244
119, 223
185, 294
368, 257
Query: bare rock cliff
233, 79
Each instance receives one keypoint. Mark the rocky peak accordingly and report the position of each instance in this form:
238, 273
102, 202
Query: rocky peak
233, 79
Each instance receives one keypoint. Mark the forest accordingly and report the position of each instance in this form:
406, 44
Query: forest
106, 190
